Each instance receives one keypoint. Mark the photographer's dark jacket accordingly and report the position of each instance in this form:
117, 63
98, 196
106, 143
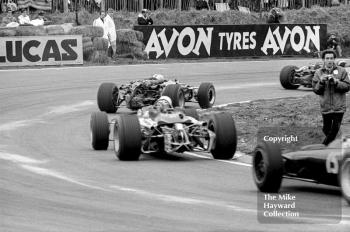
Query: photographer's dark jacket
142, 20
332, 96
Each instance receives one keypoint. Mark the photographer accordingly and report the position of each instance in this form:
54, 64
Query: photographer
275, 15
334, 43
331, 83
145, 18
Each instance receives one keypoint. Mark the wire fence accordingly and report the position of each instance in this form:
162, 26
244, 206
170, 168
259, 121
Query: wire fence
136, 5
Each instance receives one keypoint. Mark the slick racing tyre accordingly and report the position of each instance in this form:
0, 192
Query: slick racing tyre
268, 167
225, 144
345, 179
127, 137
191, 112
176, 95
206, 95
107, 96
286, 77
99, 126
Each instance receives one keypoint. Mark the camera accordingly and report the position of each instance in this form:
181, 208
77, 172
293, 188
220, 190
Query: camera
330, 78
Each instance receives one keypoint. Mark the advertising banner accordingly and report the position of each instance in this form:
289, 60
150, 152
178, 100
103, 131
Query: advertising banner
41, 50
202, 41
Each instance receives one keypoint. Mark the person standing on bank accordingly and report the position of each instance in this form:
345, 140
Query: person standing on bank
102, 22
331, 82
144, 18
112, 34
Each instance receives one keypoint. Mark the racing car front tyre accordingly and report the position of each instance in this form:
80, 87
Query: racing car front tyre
224, 128
99, 126
268, 167
176, 95
127, 137
345, 179
106, 96
206, 95
286, 77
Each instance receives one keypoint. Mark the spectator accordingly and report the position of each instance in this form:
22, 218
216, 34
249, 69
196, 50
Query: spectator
275, 15
102, 22
331, 83
334, 43
145, 18
112, 34
11, 5
202, 4
9, 20
40, 21
24, 18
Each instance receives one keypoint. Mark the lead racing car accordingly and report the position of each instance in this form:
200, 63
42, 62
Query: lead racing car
316, 163
291, 77
140, 93
161, 128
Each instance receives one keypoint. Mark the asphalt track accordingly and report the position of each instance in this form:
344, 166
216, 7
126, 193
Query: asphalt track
52, 180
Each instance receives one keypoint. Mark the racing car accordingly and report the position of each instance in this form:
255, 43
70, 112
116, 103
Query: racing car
317, 163
160, 130
140, 93
291, 77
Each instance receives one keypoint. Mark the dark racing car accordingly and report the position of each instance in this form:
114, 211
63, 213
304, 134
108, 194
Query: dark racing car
316, 163
162, 129
140, 93
291, 77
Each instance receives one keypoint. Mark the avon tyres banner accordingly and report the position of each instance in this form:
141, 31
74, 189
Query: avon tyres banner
41, 50
202, 41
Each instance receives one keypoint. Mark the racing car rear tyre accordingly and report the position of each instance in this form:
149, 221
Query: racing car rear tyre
286, 77
176, 94
99, 126
106, 96
268, 167
345, 179
206, 95
191, 112
127, 137
224, 128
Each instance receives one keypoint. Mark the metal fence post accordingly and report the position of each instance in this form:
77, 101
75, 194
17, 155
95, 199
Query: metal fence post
65, 6
179, 4
141, 4
103, 5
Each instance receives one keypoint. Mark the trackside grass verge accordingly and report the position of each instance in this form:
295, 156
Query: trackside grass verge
286, 113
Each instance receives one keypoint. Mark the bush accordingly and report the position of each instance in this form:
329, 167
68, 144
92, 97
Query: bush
87, 30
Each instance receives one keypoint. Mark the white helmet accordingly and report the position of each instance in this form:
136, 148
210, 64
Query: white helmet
158, 77
164, 102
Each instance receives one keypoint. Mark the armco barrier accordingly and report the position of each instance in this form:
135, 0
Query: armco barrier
41, 50
202, 41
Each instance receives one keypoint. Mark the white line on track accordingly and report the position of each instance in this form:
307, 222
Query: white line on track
19, 158
58, 110
64, 109
51, 173
182, 200
17, 124
224, 161
247, 85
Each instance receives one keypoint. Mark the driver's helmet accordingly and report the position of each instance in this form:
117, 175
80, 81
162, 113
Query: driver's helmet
158, 77
164, 102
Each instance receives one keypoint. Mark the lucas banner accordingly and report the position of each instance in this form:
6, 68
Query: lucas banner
41, 50
202, 41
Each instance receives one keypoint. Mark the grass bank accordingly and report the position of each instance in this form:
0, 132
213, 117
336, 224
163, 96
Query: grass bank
298, 116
